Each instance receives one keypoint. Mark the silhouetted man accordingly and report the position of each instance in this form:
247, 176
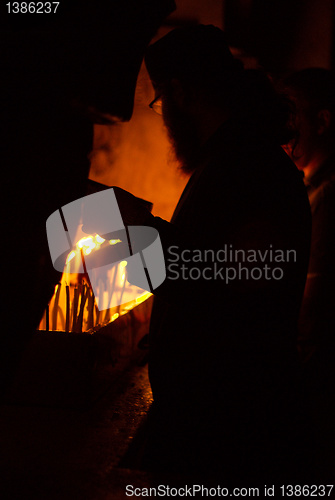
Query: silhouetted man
223, 328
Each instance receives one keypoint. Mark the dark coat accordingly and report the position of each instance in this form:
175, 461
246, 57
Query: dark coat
222, 358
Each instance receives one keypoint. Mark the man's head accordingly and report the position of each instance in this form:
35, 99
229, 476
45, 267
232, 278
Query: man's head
202, 85
190, 69
313, 91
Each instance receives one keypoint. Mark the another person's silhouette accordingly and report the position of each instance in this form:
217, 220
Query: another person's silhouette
313, 151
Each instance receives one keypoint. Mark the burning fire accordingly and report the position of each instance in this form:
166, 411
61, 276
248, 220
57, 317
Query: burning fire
73, 306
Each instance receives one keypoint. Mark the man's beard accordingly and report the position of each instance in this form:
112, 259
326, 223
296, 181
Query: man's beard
183, 136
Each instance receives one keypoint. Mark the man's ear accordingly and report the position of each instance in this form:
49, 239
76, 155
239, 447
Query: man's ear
324, 121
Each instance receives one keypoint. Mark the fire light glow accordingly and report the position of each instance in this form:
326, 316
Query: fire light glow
62, 303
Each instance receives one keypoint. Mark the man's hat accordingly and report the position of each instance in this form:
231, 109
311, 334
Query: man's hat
194, 53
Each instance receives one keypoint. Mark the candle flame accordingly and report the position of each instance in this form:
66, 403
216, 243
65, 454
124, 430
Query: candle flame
70, 257
89, 243
86, 243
